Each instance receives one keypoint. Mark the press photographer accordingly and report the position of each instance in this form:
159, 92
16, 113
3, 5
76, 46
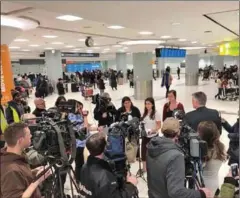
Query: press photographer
97, 178
166, 166
105, 111
17, 179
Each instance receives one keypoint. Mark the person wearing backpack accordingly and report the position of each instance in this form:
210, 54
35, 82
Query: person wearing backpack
97, 179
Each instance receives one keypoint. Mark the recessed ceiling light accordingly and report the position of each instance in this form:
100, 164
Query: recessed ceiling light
82, 40
192, 48
182, 40
69, 18
49, 36
21, 40
69, 46
48, 48
76, 49
210, 45
34, 45
145, 33
14, 47
117, 46
89, 51
115, 27
25, 50
106, 49
57, 43
96, 47
176, 23
194, 42
142, 42
165, 37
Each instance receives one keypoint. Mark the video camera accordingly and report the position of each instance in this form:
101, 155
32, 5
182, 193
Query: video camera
194, 150
115, 152
102, 103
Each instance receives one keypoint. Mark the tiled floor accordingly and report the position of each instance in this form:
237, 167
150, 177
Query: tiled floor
228, 109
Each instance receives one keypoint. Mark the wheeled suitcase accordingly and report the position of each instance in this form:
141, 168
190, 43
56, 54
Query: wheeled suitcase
74, 87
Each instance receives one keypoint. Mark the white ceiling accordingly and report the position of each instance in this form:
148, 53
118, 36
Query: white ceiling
135, 16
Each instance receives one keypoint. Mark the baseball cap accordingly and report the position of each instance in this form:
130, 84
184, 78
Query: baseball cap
170, 125
105, 95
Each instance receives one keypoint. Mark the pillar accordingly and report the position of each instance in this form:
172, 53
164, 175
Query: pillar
8, 34
143, 86
218, 62
191, 75
53, 62
121, 63
161, 66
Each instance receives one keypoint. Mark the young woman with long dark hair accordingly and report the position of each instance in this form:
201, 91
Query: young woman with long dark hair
152, 120
209, 132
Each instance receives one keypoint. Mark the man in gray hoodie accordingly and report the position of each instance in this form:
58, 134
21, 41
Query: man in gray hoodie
166, 166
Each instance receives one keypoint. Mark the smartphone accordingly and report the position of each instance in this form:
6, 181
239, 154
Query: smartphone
234, 169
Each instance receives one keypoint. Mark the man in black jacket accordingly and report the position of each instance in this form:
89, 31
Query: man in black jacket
202, 113
166, 166
97, 179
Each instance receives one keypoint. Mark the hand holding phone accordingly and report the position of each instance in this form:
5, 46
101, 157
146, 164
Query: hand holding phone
234, 170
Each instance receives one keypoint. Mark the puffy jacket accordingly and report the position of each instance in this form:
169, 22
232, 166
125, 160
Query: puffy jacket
98, 181
228, 188
166, 171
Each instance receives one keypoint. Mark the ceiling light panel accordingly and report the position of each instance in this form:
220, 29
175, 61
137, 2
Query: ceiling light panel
48, 48
145, 33
69, 46
21, 40
49, 36
117, 46
115, 27
165, 37
141, 42
14, 47
69, 18
175, 23
57, 43
81, 40
25, 50
182, 40
193, 42
34, 45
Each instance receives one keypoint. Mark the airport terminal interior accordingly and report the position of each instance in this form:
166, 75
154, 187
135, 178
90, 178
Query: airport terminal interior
134, 40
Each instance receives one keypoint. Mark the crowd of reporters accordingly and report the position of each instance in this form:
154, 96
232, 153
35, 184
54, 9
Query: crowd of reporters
163, 159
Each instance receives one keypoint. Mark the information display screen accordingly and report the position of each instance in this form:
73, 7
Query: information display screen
170, 53
80, 67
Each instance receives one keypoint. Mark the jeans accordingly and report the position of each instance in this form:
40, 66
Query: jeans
167, 90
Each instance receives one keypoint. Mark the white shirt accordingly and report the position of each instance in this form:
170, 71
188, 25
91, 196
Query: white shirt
151, 124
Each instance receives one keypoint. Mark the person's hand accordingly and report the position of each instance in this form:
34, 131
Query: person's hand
36, 170
100, 129
132, 180
230, 174
104, 115
43, 177
207, 192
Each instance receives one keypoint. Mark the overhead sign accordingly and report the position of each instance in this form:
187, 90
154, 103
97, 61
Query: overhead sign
73, 54
230, 48
170, 53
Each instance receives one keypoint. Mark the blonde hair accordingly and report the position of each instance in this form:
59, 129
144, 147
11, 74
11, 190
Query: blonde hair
208, 131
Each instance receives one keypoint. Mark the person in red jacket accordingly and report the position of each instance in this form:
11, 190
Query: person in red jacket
172, 105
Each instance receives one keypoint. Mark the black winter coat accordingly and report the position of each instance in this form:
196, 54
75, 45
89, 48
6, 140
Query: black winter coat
101, 84
98, 181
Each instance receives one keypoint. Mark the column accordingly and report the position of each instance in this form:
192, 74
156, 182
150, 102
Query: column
121, 64
53, 62
161, 66
218, 62
143, 86
191, 75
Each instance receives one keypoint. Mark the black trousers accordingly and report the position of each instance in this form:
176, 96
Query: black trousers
79, 161
167, 90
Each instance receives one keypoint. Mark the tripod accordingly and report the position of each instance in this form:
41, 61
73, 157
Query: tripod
140, 172
54, 186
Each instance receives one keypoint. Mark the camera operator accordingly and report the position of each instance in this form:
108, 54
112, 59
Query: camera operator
202, 113
127, 109
234, 139
40, 107
166, 166
97, 179
17, 179
105, 113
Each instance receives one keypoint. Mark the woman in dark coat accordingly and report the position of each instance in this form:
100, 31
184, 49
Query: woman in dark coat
113, 80
101, 85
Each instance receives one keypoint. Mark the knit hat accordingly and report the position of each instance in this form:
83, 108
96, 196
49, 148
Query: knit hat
170, 125
105, 95
15, 94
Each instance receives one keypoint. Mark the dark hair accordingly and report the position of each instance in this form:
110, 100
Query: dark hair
59, 99
152, 116
124, 99
13, 132
200, 97
96, 144
209, 132
173, 92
